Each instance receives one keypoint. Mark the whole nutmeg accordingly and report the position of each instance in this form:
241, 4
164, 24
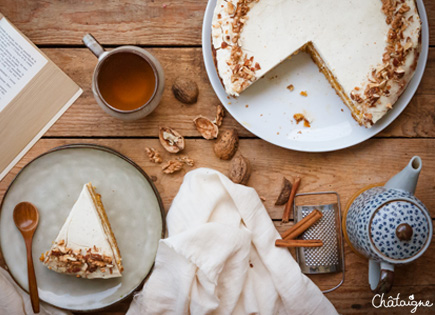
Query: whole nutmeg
185, 90
226, 144
285, 192
240, 170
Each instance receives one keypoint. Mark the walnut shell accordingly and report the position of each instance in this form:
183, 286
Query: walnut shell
240, 170
185, 90
226, 144
171, 140
206, 127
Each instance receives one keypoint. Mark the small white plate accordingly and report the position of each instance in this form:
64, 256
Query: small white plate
266, 108
52, 182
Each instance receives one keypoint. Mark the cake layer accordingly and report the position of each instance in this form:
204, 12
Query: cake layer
369, 47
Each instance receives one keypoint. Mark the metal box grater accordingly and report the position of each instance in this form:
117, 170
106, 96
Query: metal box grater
330, 257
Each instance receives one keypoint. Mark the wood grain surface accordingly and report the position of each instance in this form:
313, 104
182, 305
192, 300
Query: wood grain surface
319, 172
139, 22
86, 119
171, 30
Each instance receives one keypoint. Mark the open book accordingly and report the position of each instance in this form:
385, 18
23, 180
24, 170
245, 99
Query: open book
34, 93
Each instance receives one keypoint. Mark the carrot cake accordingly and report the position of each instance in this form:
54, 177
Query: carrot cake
85, 246
367, 50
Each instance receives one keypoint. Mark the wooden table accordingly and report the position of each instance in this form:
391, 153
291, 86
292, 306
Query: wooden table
171, 30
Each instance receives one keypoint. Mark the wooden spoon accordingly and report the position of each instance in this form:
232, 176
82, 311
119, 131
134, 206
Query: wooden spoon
26, 218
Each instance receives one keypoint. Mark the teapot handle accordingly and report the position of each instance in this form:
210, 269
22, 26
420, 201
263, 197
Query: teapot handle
381, 276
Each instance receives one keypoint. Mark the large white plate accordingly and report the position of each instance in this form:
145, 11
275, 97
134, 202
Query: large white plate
52, 182
266, 108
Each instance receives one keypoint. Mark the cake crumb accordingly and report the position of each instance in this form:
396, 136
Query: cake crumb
291, 87
304, 93
246, 105
300, 117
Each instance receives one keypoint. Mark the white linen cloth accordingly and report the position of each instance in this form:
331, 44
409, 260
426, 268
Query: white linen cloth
14, 301
220, 257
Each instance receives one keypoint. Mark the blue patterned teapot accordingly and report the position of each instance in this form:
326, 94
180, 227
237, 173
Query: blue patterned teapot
390, 226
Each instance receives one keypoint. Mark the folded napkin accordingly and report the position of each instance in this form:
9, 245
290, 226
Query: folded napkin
13, 300
220, 257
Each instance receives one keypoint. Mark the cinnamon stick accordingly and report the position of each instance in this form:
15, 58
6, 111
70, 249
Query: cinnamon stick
286, 214
298, 243
302, 225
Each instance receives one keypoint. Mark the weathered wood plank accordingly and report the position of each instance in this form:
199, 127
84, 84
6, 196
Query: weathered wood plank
356, 271
345, 171
329, 171
145, 22
349, 300
85, 118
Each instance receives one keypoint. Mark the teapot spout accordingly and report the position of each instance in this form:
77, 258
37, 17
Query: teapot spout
407, 179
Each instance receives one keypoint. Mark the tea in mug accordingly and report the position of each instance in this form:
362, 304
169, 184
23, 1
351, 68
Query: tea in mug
126, 81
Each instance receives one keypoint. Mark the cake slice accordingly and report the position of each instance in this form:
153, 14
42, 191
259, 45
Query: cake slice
85, 246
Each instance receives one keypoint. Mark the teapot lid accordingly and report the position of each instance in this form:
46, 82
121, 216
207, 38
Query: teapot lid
399, 229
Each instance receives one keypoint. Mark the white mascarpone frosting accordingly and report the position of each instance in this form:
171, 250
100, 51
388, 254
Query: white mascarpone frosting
82, 247
349, 36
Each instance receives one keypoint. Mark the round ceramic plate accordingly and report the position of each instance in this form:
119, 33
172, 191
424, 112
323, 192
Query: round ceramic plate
266, 108
53, 182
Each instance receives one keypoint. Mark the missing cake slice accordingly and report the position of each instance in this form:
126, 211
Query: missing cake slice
86, 246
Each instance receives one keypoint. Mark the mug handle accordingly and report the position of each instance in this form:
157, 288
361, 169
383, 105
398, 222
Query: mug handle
93, 45
381, 276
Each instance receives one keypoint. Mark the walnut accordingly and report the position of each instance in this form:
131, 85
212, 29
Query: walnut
171, 140
226, 145
172, 166
153, 155
240, 170
220, 114
206, 127
230, 9
185, 90
400, 72
285, 192
186, 160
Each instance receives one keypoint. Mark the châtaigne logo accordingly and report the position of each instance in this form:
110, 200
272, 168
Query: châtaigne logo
380, 301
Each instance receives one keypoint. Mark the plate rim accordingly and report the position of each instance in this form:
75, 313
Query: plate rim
417, 78
119, 155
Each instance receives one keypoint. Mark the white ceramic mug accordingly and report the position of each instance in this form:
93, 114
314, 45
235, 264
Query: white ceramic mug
102, 56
